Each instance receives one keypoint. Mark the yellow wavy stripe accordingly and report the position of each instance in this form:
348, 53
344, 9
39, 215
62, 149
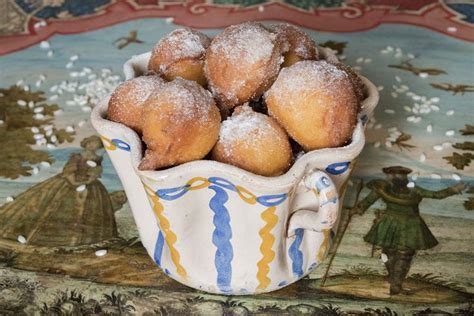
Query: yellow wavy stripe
170, 237
324, 245
266, 247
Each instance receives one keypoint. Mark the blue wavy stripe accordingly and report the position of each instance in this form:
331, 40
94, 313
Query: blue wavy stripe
172, 193
159, 249
121, 144
272, 200
338, 168
295, 254
221, 238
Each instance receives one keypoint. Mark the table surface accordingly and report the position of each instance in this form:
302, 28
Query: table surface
58, 57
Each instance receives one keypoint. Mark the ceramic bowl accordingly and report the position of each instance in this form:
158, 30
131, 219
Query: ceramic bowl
221, 229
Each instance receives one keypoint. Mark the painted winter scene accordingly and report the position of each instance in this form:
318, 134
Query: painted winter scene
68, 250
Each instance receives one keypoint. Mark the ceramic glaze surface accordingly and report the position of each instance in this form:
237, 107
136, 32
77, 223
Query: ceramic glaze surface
221, 229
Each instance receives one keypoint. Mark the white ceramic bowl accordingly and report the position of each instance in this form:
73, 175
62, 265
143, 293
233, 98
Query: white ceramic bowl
221, 229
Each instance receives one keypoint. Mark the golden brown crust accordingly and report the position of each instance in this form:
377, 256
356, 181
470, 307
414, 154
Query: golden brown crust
242, 62
315, 102
180, 54
126, 102
254, 142
300, 45
180, 123
357, 84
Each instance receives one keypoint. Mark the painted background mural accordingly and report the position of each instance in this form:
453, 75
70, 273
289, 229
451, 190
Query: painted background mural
68, 244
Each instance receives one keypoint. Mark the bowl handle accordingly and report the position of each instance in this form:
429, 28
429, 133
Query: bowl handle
327, 207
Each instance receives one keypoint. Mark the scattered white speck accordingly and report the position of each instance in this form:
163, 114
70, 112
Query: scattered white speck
50, 146
21, 102
429, 128
38, 83
452, 29
377, 144
69, 65
31, 104
69, 129
81, 123
261, 8
384, 51
58, 112
358, 68
101, 252
38, 109
383, 257
26, 88
435, 176
407, 108
359, 60
81, 188
35, 170
38, 116
456, 177
86, 109
438, 147
45, 164
422, 157
435, 100
367, 60
389, 111
45, 45
378, 126
411, 184
9, 199
450, 112
91, 163
50, 54
74, 58
434, 107
379, 88
53, 97
21, 239
447, 144
388, 144
53, 139
42, 77
1, 122
398, 79
394, 94
169, 20
389, 48
398, 54
423, 75
411, 56
411, 118
450, 132
414, 177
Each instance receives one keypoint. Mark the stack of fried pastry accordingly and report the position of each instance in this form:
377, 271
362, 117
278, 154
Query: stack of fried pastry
247, 97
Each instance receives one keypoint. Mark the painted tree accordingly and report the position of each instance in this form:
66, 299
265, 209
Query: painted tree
26, 120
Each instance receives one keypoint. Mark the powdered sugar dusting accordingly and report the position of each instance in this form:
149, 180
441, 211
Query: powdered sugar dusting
190, 100
140, 88
299, 42
246, 127
132, 94
307, 76
248, 43
180, 44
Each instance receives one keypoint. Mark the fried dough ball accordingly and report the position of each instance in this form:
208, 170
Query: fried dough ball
254, 142
180, 54
242, 62
357, 83
181, 123
301, 46
126, 102
315, 102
